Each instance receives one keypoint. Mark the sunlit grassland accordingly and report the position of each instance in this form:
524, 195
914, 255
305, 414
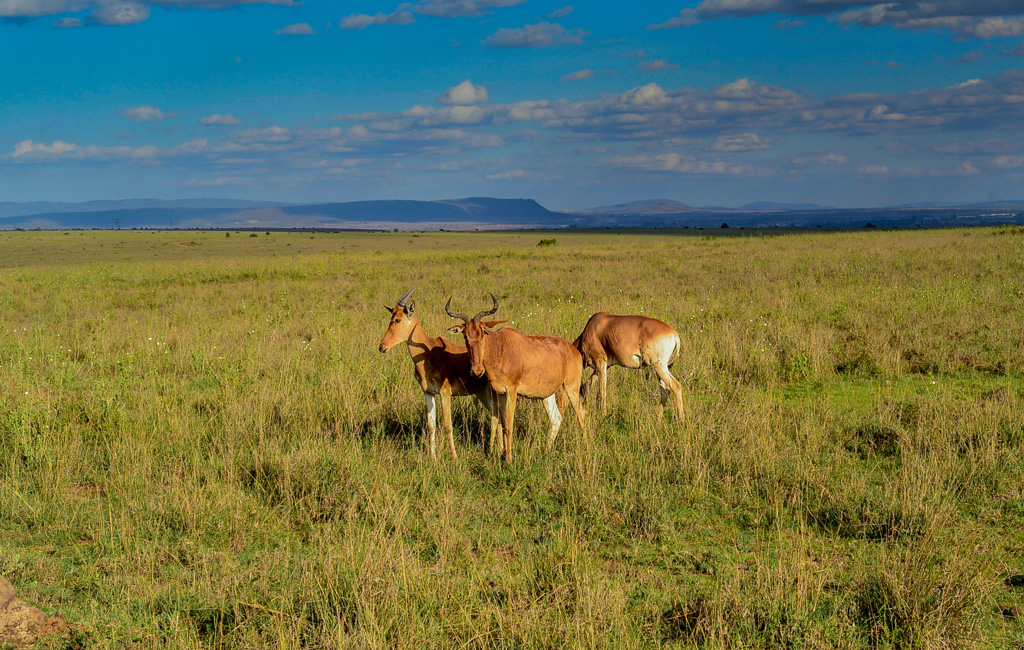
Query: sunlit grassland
200, 445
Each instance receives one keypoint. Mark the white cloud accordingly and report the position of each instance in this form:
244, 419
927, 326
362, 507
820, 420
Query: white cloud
68, 22
514, 174
220, 120
361, 21
269, 135
561, 13
814, 160
296, 29
976, 18
145, 113
739, 142
686, 18
113, 12
464, 94
120, 13
58, 150
579, 75
542, 34
673, 162
996, 27
456, 8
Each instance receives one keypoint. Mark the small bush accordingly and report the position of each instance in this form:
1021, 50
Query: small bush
923, 596
547, 242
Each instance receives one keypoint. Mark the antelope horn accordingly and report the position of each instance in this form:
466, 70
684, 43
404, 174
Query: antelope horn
448, 310
488, 312
405, 297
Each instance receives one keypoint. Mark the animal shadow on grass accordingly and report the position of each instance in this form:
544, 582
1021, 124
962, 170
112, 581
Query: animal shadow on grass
470, 426
404, 433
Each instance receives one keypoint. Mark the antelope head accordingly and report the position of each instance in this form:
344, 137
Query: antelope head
475, 332
401, 324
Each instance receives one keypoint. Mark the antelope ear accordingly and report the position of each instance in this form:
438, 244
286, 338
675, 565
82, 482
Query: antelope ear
410, 307
390, 310
456, 329
493, 323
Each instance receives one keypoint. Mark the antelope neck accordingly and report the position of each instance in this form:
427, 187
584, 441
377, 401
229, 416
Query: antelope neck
418, 337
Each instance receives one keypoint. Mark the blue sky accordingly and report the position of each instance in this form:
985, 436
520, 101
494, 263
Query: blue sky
709, 102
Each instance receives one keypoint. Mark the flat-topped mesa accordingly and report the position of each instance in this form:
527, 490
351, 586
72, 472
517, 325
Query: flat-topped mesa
441, 367
517, 364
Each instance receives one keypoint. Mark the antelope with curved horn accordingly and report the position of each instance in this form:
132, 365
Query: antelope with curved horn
517, 365
631, 342
442, 369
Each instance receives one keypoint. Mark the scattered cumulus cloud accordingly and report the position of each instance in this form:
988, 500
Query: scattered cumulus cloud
561, 13
146, 113
458, 8
680, 164
296, 29
818, 159
579, 75
739, 142
121, 13
403, 14
220, 120
650, 129
984, 19
542, 34
28, 151
686, 18
68, 22
464, 94
360, 21
112, 12
514, 174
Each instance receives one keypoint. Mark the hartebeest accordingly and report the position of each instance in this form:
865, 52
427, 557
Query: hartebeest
518, 365
631, 342
442, 369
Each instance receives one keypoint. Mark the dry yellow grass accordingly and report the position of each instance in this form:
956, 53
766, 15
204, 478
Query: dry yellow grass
201, 447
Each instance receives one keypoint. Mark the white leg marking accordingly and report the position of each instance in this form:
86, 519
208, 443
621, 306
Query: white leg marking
551, 406
431, 420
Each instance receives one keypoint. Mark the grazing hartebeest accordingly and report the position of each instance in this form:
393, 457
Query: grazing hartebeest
516, 364
631, 342
442, 369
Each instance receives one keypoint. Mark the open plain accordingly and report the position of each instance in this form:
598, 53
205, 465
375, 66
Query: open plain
200, 445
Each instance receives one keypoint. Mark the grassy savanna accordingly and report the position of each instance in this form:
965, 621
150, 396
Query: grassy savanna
200, 445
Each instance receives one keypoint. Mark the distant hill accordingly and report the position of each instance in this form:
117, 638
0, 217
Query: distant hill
452, 213
482, 213
650, 206
53, 207
769, 205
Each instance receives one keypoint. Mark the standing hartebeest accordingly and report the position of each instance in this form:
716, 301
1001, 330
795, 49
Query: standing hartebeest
442, 369
631, 342
516, 364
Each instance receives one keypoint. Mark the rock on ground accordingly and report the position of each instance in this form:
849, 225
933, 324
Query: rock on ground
20, 623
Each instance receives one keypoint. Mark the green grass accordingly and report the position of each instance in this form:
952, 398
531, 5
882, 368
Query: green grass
200, 445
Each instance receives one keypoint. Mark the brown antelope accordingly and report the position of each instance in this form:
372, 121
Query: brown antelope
631, 342
442, 369
517, 365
